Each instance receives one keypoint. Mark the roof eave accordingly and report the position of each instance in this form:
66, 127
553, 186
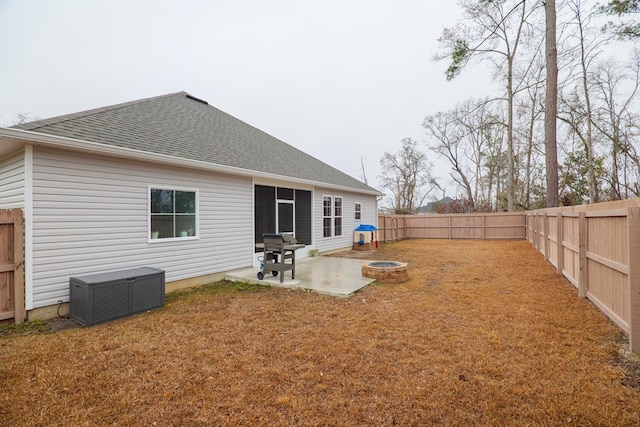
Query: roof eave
110, 150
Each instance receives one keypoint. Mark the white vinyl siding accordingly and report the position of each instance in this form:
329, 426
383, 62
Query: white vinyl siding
349, 224
369, 212
91, 215
12, 181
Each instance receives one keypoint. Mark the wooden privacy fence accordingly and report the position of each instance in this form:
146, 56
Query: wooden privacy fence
484, 226
12, 265
597, 248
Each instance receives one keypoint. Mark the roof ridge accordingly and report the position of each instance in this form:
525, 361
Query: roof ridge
36, 124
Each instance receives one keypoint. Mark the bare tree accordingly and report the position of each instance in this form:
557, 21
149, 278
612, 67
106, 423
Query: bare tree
588, 139
22, 118
483, 126
617, 91
496, 32
530, 106
495, 163
364, 175
451, 143
406, 175
585, 46
469, 138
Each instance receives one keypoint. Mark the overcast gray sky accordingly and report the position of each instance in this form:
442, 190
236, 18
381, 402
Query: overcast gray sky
340, 80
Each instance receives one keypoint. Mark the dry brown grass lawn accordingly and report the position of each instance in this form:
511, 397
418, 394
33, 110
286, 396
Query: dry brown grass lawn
484, 333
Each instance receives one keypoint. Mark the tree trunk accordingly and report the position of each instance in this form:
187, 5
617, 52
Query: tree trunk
526, 197
593, 195
511, 180
551, 105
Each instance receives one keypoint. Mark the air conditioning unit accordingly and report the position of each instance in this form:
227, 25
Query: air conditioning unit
98, 298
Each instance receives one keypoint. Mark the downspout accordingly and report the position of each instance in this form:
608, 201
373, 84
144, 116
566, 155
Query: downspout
28, 226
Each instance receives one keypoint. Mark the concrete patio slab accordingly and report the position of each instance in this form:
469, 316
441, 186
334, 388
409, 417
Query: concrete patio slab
326, 275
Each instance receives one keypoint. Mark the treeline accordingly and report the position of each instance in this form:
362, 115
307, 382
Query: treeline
495, 146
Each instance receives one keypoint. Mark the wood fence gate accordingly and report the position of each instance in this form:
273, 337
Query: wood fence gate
12, 265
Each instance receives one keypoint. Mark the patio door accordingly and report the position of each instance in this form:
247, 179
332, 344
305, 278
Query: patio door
286, 217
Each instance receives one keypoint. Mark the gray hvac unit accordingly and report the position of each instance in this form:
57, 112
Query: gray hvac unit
98, 298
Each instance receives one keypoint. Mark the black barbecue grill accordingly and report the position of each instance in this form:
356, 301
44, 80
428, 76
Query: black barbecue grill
279, 255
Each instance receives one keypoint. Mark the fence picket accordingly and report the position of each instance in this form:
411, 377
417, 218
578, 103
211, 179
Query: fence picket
12, 265
508, 226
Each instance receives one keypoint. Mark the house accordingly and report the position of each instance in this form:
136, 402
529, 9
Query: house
168, 182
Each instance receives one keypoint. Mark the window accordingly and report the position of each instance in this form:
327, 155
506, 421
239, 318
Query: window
172, 213
326, 216
337, 213
358, 211
331, 216
285, 193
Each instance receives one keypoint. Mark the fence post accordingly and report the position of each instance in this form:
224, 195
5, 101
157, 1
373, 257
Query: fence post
531, 223
384, 228
633, 228
19, 313
536, 231
484, 236
392, 237
539, 227
545, 230
583, 276
395, 228
559, 240
404, 222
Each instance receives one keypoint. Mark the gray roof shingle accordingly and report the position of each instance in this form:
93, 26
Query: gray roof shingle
183, 126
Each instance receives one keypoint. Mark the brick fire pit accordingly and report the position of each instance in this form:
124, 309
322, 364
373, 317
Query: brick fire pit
386, 271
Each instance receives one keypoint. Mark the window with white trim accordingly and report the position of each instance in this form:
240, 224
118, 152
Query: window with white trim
331, 216
337, 216
327, 201
172, 213
358, 211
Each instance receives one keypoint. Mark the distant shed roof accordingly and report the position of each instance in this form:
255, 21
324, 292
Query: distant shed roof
183, 126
